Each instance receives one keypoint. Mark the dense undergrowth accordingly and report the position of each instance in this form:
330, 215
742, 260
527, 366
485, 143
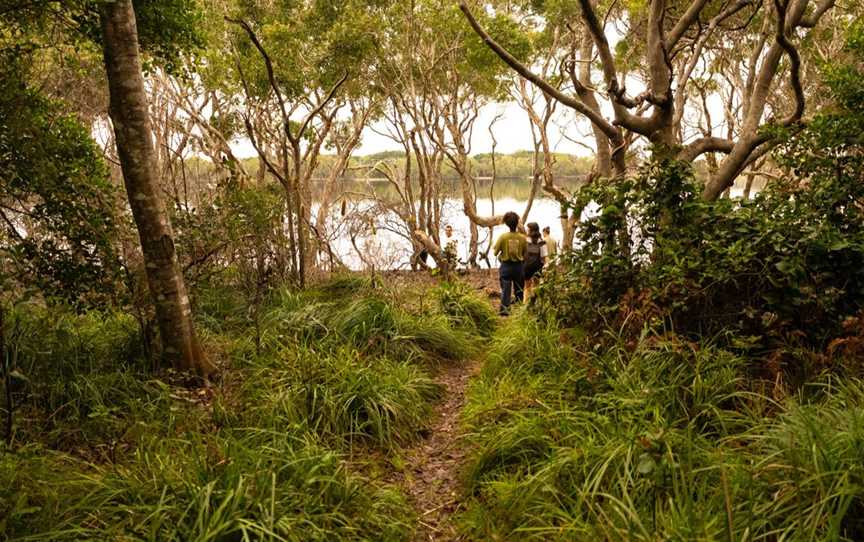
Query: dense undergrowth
105, 448
663, 439
692, 371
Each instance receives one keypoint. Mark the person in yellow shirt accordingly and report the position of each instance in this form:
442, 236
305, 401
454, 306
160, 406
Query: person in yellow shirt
510, 250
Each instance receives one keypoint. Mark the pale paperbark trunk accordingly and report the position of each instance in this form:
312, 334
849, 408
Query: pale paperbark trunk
749, 186
129, 114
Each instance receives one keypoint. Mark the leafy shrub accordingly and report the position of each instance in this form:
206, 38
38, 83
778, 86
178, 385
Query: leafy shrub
775, 268
240, 225
786, 267
56, 190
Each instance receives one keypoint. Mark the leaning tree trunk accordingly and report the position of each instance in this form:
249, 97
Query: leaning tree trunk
129, 114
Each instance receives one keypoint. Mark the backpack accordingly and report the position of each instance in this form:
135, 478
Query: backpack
533, 254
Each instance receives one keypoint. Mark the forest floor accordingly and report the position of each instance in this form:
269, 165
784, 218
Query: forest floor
484, 281
432, 465
178, 472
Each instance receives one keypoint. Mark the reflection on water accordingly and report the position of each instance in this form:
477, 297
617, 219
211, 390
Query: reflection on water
386, 249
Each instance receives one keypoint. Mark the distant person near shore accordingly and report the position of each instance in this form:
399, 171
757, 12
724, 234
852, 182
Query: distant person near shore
452, 245
536, 252
551, 244
510, 250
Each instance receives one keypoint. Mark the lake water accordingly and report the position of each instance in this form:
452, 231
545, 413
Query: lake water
385, 249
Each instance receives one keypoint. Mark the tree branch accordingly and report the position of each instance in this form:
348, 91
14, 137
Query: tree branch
250, 132
271, 76
788, 17
696, 55
705, 144
320, 106
620, 102
690, 16
795, 65
525, 72
809, 21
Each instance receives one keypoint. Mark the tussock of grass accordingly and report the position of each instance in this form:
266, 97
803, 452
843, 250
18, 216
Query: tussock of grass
813, 455
658, 440
67, 343
343, 286
373, 325
119, 452
239, 488
431, 337
527, 345
464, 308
343, 396
220, 309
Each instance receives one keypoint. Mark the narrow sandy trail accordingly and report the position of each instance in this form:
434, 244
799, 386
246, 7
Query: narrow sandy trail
432, 465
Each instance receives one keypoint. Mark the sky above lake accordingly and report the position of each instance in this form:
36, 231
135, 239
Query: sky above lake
512, 132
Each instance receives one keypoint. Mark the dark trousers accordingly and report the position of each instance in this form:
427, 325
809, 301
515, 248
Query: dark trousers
512, 278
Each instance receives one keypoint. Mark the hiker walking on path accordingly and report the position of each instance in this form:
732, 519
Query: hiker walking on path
510, 251
536, 252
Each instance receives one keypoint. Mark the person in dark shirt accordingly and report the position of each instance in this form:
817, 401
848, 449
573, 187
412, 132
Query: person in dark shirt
510, 250
536, 252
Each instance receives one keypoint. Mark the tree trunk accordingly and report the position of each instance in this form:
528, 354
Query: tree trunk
749, 186
435, 252
129, 114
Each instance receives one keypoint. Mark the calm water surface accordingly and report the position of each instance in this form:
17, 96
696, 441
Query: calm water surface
385, 249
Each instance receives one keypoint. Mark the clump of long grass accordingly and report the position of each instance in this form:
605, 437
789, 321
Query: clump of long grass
82, 377
371, 324
220, 308
374, 325
810, 459
124, 454
531, 345
663, 439
248, 485
464, 308
432, 338
343, 396
120, 452
342, 286
60, 342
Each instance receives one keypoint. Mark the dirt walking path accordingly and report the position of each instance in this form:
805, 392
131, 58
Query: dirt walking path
432, 465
